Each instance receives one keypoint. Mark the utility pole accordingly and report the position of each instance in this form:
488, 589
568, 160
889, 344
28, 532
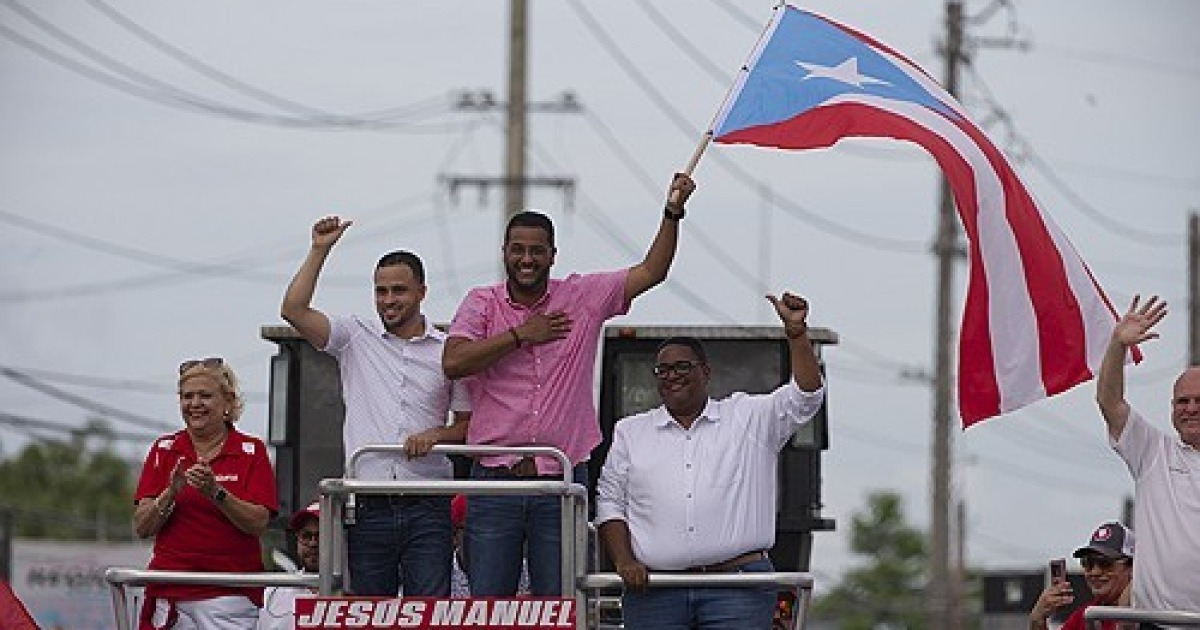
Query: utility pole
1193, 289
514, 134
942, 593
514, 181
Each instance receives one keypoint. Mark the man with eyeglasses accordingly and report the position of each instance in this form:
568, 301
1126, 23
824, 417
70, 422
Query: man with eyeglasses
1107, 562
691, 485
279, 602
529, 345
1165, 469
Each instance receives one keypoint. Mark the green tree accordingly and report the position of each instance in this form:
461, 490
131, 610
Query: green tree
887, 592
77, 489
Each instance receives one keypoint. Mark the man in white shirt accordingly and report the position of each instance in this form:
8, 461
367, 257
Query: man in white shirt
395, 393
1165, 469
279, 602
691, 485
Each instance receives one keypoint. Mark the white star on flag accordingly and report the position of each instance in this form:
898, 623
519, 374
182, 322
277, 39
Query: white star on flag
845, 72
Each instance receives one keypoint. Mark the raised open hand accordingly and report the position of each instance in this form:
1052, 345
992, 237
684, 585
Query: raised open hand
1138, 322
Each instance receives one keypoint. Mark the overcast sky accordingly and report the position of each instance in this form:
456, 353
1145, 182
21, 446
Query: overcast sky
161, 164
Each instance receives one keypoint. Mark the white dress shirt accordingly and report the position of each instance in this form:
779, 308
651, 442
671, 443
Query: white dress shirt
706, 494
392, 388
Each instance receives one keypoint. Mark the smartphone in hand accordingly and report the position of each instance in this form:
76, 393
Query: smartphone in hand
1058, 570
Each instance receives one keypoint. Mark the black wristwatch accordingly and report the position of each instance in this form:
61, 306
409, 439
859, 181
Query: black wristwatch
673, 213
219, 495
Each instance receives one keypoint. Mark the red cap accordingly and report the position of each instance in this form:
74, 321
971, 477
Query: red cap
458, 510
313, 510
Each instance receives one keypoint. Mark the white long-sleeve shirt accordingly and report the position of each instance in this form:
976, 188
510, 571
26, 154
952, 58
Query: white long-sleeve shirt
706, 494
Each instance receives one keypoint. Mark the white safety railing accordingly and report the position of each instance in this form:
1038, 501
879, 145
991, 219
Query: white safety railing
120, 578
1096, 614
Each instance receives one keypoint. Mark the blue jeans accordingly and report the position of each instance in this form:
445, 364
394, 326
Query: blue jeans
704, 608
400, 541
503, 530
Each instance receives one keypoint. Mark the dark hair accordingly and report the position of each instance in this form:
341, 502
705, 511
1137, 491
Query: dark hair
408, 259
689, 342
532, 219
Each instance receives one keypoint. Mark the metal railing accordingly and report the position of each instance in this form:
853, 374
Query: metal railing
119, 578
336, 493
337, 497
800, 583
1096, 614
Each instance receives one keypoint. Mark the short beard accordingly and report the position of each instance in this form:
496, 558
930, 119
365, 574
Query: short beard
537, 285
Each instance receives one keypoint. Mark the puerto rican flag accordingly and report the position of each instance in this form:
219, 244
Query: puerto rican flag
1036, 322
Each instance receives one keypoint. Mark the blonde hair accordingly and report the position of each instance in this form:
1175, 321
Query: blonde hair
226, 380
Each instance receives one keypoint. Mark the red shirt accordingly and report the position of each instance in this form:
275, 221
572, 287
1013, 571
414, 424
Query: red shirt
1075, 621
197, 536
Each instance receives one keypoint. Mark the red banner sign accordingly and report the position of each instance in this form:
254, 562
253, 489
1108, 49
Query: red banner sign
486, 613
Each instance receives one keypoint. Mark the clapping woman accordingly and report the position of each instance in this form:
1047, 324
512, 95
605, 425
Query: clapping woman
205, 495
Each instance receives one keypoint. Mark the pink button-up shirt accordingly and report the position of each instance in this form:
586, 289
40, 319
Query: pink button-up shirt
540, 394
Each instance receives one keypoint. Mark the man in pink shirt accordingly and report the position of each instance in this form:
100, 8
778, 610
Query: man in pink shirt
530, 345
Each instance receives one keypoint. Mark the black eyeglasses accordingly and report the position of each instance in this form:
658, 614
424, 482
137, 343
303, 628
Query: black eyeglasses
682, 368
1099, 562
210, 362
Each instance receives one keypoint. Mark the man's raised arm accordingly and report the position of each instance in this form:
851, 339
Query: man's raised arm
297, 308
1133, 328
654, 267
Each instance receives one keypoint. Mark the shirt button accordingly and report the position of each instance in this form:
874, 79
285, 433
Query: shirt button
691, 529
688, 466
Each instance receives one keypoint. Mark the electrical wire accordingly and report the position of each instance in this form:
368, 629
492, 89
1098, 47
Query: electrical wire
139, 84
240, 267
86, 403
24, 424
739, 16
600, 221
1129, 232
115, 384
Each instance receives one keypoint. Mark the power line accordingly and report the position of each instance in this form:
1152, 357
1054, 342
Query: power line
739, 15
684, 44
419, 109
25, 424
86, 403
238, 267
126, 385
627, 159
139, 84
606, 225
1109, 59
1099, 217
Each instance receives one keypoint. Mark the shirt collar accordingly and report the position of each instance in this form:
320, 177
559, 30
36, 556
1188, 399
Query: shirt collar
550, 286
427, 331
181, 442
665, 419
